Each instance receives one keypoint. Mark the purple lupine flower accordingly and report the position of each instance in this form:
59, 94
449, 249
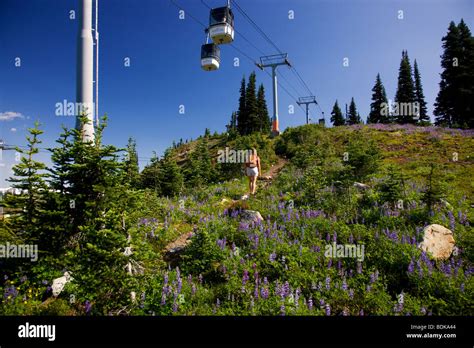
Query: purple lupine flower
328, 309
361, 312
328, 283
351, 294
328, 237
272, 257
218, 303
44, 282
321, 302
87, 306
344, 285
334, 237
175, 306
461, 287
23, 279
193, 289
359, 267
351, 239
245, 277
329, 263
423, 310
310, 304
411, 267
372, 278
200, 278
345, 312
282, 310
264, 293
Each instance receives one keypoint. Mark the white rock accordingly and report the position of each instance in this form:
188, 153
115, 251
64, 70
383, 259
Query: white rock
438, 241
361, 186
59, 283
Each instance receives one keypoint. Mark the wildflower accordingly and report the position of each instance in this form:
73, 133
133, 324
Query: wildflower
361, 312
423, 310
87, 306
328, 309
359, 267
328, 283
351, 294
272, 257
282, 310
310, 304
411, 267
218, 303
372, 278
344, 285
245, 277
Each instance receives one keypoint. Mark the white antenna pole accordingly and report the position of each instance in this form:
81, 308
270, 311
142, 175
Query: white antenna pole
85, 71
97, 63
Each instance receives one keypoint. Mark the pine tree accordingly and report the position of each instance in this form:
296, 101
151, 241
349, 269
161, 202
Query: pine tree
419, 96
336, 115
264, 118
354, 117
29, 179
379, 106
171, 179
405, 96
454, 104
242, 118
251, 105
150, 177
132, 171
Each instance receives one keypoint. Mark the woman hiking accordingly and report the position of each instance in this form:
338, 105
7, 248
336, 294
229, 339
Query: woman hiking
253, 170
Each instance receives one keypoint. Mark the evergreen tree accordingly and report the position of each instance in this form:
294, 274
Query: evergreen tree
405, 96
354, 117
419, 96
29, 179
454, 104
264, 119
150, 177
251, 105
171, 179
207, 133
232, 123
379, 106
337, 118
242, 119
132, 171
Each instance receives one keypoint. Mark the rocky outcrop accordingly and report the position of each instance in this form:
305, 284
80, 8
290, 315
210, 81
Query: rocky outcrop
250, 216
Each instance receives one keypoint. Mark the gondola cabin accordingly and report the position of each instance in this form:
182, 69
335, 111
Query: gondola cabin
210, 57
221, 25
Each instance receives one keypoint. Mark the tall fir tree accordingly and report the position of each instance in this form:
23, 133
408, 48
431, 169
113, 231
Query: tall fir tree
353, 117
242, 119
170, 176
379, 106
454, 104
29, 179
132, 171
419, 95
405, 96
264, 118
337, 118
251, 105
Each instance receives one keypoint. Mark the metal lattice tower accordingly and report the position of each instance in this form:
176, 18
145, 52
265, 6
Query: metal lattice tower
273, 62
306, 101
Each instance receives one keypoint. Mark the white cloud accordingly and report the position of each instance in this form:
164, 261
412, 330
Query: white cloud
12, 129
10, 115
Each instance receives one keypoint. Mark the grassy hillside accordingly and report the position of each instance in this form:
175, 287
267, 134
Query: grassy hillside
227, 265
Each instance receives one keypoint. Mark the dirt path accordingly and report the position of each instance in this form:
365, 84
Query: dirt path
275, 169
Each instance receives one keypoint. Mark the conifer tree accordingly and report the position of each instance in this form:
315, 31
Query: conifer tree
242, 119
405, 96
29, 179
337, 118
264, 118
379, 106
251, 105
171, 178
454, 104
419, 96
132, 171
354, 117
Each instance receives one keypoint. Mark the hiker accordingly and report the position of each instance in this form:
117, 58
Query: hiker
252, 170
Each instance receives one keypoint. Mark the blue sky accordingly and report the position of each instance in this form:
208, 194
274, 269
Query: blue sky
142, 101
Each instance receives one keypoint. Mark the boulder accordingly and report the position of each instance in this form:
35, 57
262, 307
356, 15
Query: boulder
59, 283
438, 241
250, 216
